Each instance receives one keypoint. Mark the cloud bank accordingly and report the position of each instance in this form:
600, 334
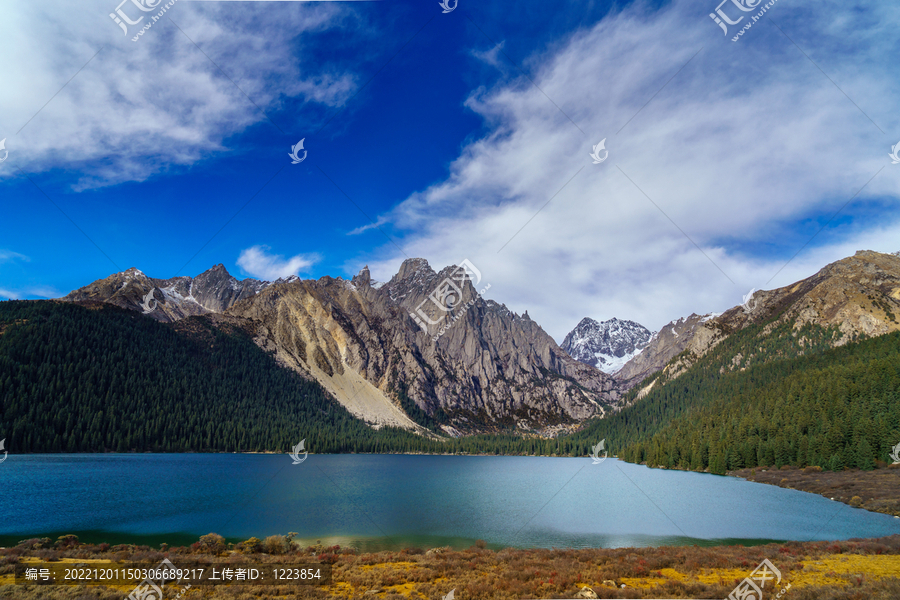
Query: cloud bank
80, 96
744, 150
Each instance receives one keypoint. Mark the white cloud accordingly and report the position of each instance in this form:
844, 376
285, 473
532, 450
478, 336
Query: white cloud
41, 291
139, 108
747, 147
258, 262
10, 256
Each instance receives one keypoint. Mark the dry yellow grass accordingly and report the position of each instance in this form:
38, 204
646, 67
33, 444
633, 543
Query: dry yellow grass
835, 570
859, 569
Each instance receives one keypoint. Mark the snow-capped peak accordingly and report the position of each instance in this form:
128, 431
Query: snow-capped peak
607, 345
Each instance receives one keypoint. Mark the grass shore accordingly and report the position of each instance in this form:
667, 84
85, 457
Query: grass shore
846, 570
877, 490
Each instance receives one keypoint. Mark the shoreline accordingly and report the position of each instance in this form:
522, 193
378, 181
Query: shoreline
876, 491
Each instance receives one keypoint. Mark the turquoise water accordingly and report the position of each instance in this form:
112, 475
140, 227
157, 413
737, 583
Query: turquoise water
391, 501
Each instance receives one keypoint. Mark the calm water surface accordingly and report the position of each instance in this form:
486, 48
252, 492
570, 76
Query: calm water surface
390, 501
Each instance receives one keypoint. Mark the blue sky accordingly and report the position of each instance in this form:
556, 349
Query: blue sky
444, 136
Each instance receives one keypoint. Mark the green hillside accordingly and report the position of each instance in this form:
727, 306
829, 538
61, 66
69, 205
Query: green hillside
767, 396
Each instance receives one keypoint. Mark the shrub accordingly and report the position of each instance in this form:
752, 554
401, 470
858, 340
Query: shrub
276, 544
855, 501
35, 543
251, 546
213, 543
66, 541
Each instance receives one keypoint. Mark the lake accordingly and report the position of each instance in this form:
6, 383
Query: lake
391, 501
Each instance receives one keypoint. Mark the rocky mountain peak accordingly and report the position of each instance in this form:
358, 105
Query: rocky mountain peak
363, 278
214, 290
607, 345
413, 268
433, 336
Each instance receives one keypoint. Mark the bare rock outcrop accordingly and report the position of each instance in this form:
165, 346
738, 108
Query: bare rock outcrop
429, 336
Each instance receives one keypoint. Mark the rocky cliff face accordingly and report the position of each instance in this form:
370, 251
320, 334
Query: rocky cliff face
423, 337
662, 346
858, 295
432, 337
607, 345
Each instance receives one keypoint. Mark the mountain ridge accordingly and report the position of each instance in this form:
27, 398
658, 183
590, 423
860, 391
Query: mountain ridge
427, 343
424, 337
859, 294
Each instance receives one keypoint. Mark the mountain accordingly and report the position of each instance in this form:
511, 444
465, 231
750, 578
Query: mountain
421, 351
167, 300
857, 296
659, 349
110, 379
607, 345
379, 346
800, 375
810, 403
821, 404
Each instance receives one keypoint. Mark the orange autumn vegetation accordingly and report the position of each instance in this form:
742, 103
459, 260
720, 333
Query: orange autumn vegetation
850, 570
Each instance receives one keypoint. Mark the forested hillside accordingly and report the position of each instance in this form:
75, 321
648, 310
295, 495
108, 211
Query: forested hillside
768, 397
840, 408
79, 379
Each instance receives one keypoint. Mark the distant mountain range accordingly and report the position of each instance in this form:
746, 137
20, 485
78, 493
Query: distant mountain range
664, 345
426, 351
383, 350
627, 350
213, 291
860, 295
